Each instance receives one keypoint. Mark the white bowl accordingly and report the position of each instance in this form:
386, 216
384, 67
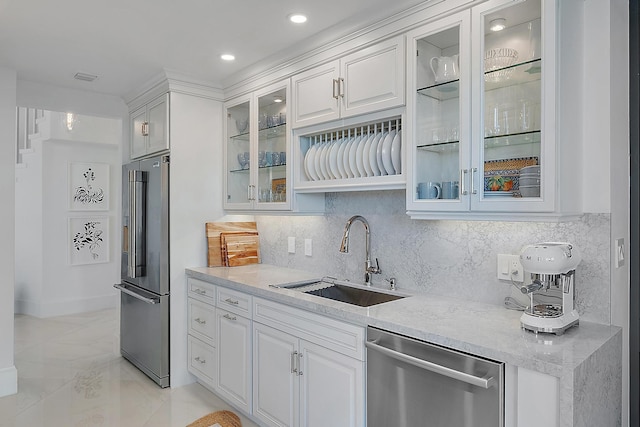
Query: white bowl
530, 170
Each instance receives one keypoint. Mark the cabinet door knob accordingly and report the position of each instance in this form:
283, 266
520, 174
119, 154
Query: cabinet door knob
463, 182
336, 88
294, 362
341, 87
145, 129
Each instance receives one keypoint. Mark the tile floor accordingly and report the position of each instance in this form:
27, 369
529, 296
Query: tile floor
71, 374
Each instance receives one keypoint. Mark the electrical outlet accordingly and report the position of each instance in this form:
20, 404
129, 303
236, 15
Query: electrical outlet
619, 253
307, 247
291, 245
509, 268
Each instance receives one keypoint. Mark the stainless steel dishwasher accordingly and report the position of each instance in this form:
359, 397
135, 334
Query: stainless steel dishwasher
411, 383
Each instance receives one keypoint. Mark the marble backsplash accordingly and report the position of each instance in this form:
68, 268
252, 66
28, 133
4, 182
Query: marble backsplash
452, 258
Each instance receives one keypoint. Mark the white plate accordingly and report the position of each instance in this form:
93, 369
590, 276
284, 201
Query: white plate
316, 161
322, 161
373, 154
305, 165
342, 144
365, 154
311, 164
333, 160
352, 157
396, 160
345, 158
359, 164
383, 171
386, 153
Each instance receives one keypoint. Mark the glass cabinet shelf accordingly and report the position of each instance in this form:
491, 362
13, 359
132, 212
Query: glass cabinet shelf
274, 167
442, 91
520, 138
516, 74
441, 147
266, 133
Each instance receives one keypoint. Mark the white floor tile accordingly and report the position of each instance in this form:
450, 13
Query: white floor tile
71, 374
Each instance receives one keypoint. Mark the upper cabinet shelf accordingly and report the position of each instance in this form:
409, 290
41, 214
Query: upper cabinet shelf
513, 75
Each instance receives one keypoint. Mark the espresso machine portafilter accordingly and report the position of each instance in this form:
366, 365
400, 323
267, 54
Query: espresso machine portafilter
552, 266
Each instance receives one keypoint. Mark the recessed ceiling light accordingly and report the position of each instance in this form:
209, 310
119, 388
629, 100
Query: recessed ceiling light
227, 57
277, 100
297, 18
85, 77
498, 24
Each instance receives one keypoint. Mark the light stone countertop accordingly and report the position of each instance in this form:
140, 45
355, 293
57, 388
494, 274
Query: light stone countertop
483, 329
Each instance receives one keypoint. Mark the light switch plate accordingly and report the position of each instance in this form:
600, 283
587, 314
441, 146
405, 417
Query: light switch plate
291, 245
307, 247
620, 252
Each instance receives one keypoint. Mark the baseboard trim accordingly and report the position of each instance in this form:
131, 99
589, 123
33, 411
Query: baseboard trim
66, 307
8, 381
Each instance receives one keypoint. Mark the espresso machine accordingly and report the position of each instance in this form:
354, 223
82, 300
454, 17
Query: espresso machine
552, 266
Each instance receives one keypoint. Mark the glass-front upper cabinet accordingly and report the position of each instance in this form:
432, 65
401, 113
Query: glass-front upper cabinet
483, 109
256, 151
440, 116
512, 165
238, 154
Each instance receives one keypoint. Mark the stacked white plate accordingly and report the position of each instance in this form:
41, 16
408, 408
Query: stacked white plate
369, 154
529, 181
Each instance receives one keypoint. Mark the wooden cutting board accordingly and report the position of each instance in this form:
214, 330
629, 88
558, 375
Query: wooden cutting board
240, 248
214, 245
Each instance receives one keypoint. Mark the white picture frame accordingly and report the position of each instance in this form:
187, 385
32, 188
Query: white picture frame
88, 186
88, 240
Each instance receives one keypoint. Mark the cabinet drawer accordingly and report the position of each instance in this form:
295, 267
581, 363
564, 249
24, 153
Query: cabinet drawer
234, 301
201, 290
202, 360
332, 334
202, 320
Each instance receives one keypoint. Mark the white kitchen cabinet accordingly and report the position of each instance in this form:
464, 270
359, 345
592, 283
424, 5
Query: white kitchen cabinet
332, 392
308, 369
257, 154
484, 108
365, 81
150, 128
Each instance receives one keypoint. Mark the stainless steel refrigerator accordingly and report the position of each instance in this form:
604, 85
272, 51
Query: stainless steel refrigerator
144, 296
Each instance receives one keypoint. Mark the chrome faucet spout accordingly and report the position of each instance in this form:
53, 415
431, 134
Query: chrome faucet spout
344, 247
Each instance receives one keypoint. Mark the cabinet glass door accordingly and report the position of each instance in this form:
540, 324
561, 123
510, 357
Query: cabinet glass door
511, 154
272, 148
238, 154
441, 116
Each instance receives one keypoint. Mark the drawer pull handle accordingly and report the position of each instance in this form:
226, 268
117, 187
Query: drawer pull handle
230, 301
226, 316
202, 322
201, 361
200, 291
294, 362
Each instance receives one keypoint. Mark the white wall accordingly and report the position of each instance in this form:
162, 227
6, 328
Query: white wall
8, 373
196, 198
618, 49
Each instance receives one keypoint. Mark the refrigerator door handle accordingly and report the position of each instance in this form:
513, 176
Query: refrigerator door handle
137, 295
137, 199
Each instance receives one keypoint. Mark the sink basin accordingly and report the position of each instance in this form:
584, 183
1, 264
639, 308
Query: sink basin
363, 297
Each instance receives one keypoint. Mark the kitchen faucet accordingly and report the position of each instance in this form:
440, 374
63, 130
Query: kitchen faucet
344, 248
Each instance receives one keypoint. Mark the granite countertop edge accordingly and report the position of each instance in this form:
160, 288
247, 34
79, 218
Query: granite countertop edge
481, 329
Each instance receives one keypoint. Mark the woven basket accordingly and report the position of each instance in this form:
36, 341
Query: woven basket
224, 418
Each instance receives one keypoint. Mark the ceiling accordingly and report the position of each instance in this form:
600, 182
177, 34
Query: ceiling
126, 43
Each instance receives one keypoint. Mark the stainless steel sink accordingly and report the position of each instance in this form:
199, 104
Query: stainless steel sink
348, 293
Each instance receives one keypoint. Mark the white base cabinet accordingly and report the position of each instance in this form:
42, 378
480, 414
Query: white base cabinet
234, 358
299, 378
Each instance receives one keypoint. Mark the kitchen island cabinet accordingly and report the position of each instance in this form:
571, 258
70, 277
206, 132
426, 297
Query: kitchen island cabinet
581, 369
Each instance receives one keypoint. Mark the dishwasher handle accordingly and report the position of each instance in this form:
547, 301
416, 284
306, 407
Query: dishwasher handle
433, 367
